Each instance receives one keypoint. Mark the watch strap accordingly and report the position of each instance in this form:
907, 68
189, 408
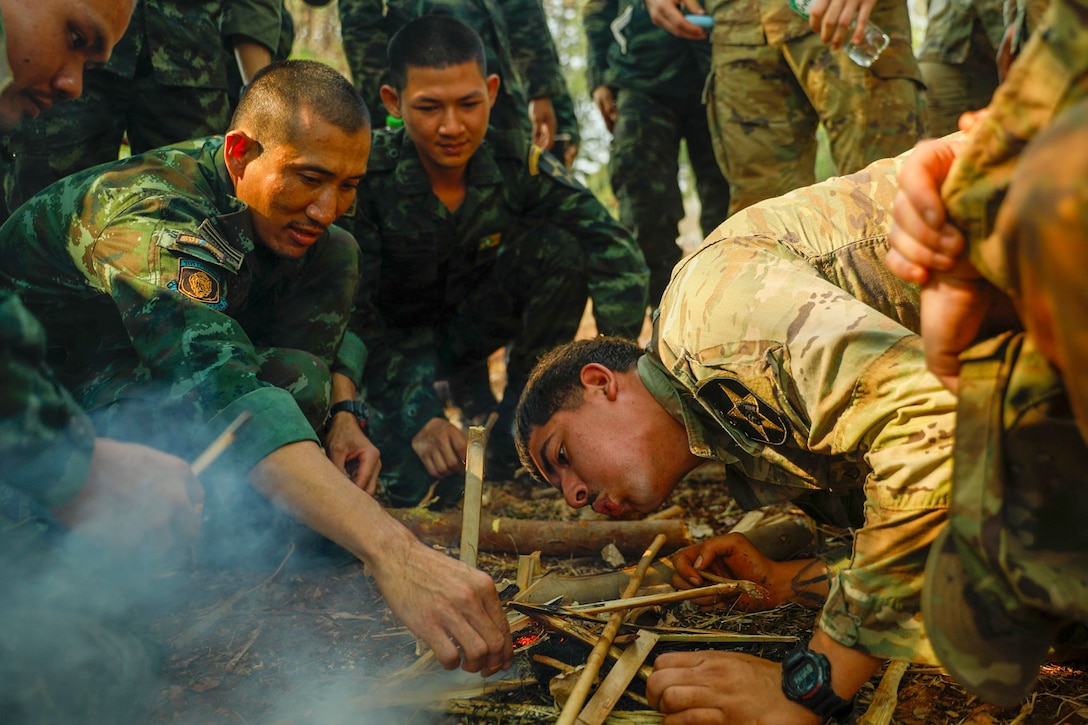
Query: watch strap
355, 407
820, 698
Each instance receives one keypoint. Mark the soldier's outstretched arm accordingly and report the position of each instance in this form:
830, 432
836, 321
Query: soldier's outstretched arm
452, 607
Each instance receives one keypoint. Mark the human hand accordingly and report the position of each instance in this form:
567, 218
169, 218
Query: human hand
344, 442
731, 556
921, 238
669, 15
136, 496
452, 607
927, 249
606, 104
832, 19
542, 115
441, 446
721, 687
569, 153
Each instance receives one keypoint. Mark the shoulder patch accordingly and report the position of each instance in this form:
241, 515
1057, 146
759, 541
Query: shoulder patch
541, 162
206, 243
742, 409
201, 282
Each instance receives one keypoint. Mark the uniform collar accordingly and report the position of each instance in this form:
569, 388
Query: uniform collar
678, 402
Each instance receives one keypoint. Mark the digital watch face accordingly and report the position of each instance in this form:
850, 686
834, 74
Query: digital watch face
806, 677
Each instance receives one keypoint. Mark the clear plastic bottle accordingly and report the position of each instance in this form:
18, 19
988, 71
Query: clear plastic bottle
864, 53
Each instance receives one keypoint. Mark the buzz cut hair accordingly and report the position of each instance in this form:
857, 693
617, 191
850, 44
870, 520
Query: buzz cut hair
271, 104
555, 385
433, 41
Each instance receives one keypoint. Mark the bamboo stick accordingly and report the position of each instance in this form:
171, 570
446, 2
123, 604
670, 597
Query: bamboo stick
474, 482
882, 707
480, 710
652, 600
220, 444
619, 677
596, 657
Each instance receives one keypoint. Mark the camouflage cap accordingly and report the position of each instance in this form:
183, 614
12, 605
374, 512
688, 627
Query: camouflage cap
1011, 566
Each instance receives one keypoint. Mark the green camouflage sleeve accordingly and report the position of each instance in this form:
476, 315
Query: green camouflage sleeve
618, 276
184, 42
257, 19
203, 351
596, 18
45, 438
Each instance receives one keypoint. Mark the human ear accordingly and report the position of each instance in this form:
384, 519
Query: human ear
493, 87
239, 148
391, 99
595, 376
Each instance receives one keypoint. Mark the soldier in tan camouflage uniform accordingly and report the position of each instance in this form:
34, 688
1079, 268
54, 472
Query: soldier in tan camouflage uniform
1008, 578
784, 349
773, 80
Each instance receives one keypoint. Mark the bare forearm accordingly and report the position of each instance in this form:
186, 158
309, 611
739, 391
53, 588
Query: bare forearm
250, 55
302, 481
342, 388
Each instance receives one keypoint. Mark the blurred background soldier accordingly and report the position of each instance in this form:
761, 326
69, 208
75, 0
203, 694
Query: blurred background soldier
959, 59
648, 86
532, 96
166, 82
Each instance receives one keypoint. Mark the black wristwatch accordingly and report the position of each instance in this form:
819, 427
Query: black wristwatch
806, 680
354, 407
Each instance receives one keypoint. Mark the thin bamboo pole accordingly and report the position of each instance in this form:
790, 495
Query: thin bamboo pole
596, 657
474, 482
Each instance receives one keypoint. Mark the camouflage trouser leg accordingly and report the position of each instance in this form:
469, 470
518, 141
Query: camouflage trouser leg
88, 131
869, 113
643, 169
952, 89
765, 102
531, 300
710, 184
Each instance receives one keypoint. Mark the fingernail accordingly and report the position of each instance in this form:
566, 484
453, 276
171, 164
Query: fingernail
930, 217
698, 562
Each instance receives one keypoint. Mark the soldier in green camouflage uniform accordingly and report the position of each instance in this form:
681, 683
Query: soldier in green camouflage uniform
784, 349
188, 285
60, 659
773, 81
166, 82
959, 59
648, 85
444, 288
93, 259
520, 51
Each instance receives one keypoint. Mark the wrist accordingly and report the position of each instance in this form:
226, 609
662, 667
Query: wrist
356, 409
807, 681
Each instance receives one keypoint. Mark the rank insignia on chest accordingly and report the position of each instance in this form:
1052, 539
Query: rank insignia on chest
489, 242
744, 411
200, 282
